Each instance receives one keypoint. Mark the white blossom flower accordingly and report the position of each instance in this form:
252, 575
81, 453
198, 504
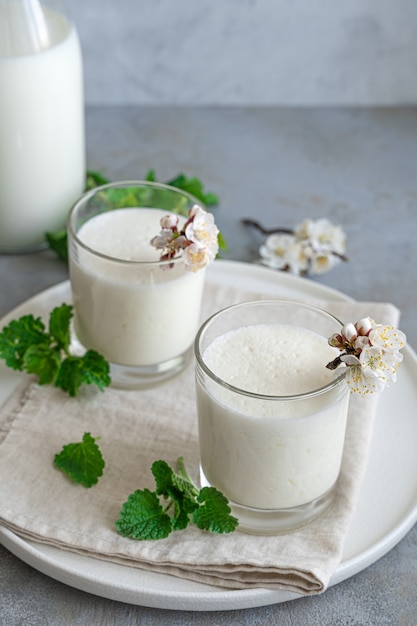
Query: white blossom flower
163, 240
202, 230
197, 241
380, 362
196, 257
387, 337
363, 381
313, 246
371, 354
274, 251
322, 235
282, 251
322, 263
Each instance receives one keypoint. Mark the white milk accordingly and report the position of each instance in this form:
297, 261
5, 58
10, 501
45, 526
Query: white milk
42, 153
271, 454
133, 313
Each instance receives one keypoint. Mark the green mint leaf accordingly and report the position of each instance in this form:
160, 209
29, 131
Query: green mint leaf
194, 186
59, 325
129, 197
26, 346
58, 243
221, 241
95, 369
166, 478
91, 368
70, 375
82, 462
142, 517
214, 514
94, 179
211, 199
150, 176
181, 491
163, 475
183, 507
16, 338
39, 359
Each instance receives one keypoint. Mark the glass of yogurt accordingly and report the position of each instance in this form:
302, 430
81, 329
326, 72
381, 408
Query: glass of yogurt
271, 416
140, 312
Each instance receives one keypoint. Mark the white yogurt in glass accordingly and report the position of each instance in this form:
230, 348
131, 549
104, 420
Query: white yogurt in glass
271, 416
42, 147
127, 307
263, 453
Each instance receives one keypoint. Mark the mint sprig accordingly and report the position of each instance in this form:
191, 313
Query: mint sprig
82, 461
192, 185
27, 345
174, 503
58, 241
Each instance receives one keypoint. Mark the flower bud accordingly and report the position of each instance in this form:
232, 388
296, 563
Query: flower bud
195, 210
360, 343
364, 326
336, 341
169, 222
349, 332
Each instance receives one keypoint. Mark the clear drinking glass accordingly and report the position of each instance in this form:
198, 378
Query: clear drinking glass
275, 455
139, 312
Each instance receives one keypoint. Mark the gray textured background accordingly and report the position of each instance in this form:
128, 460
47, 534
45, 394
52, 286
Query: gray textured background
248, 51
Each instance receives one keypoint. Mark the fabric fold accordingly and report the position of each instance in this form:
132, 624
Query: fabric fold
135, 428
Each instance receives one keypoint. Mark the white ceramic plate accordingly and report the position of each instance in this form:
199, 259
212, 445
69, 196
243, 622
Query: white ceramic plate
386, 511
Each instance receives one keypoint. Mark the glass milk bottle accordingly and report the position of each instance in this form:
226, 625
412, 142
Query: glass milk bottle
42, 139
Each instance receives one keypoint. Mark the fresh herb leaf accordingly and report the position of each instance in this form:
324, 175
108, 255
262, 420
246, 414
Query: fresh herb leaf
58, 243
82, 462
214, 512
59, 325
91, 368
151, 176
16, 338
94, 179
166, 479
143, 516
192, 185
195, 187
222, 241
131, 196
180, 489
43, 361
25, 345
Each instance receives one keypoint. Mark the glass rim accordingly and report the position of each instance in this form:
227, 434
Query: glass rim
87, 195
336, 382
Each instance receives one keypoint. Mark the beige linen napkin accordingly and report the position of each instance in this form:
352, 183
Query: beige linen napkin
38, 502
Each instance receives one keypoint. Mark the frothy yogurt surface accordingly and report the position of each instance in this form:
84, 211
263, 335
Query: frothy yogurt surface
124, 233
131, 312
275, 360
271, 453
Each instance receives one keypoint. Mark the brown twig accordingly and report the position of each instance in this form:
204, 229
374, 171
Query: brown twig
266, 231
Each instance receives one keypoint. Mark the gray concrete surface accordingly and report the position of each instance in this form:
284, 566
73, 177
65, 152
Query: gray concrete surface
248, 52
355, 166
